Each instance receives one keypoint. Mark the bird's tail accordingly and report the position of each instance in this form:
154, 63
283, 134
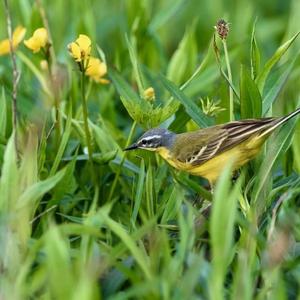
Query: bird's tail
281, 121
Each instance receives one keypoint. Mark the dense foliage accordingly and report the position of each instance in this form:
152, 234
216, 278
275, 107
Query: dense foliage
82, 219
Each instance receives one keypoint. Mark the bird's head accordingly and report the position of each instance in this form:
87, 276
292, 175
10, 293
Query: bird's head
153, 139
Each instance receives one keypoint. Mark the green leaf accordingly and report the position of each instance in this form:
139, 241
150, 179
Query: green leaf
128, 242
67, 185
164, 14
276, 86
38, 74
9, 187
184, 58
37, 190
60, 276
99, 158
221, 228
263, 75
136, 67
138, 193
172, 206
140, 110
250, 98
63, 143
191, 107
3, 114
29, 168
279, 143
150, 194
123, 88
255, 54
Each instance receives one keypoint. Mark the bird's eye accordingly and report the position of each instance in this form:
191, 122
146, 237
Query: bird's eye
144, 142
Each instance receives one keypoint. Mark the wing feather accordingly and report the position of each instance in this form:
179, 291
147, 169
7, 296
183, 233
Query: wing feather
200, 146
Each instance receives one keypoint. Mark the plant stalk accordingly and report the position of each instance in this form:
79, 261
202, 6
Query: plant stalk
231, 105
16, 76
86, 127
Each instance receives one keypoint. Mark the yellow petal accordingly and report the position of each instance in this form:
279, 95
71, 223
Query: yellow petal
92, 69
96, 69
32, 44
75, 51
38, 40
4, 47
41, 35
18, 36
84, 43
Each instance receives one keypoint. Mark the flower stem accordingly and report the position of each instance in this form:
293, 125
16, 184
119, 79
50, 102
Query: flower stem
113, 186
231, 108
16, 77
86, 128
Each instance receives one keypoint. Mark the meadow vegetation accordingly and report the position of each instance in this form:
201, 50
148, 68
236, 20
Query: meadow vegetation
82, 219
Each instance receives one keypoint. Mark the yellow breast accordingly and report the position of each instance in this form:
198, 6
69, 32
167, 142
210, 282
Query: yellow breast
212, 168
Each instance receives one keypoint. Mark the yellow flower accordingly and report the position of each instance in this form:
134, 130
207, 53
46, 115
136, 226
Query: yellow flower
81, 48
96, 69
38, 40
17, 38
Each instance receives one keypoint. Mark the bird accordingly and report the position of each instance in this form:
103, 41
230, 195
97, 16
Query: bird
206, 151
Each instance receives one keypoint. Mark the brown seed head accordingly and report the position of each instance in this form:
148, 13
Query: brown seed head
222, 29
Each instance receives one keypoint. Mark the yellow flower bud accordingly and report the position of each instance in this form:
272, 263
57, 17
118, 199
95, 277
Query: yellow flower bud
38, 40
149, 94
44, 65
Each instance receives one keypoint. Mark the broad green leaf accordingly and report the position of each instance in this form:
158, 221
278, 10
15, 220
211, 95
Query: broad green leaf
9, 182
37, 190
279, 144
59, 272
136, 67
263, 75
250, 97
221, 228
29, 164
276, 87
191, 107
184, 58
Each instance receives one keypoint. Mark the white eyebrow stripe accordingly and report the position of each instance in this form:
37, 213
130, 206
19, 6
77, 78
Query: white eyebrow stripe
151, 137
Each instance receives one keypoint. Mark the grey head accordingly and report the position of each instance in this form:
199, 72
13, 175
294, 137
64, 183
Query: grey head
153, 139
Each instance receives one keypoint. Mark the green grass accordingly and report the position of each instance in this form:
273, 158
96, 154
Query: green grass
139, 229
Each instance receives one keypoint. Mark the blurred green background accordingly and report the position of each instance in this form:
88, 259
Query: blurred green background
143, 230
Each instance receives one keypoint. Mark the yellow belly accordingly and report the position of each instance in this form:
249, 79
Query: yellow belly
213, 168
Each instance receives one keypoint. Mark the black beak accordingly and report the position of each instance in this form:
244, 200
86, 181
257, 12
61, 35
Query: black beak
132, 147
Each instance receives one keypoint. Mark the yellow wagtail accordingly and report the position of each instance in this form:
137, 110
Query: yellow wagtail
205, 152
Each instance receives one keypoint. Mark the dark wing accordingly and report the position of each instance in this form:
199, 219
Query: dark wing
202, 145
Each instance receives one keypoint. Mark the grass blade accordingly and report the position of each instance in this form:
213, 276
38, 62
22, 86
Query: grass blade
191, 107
